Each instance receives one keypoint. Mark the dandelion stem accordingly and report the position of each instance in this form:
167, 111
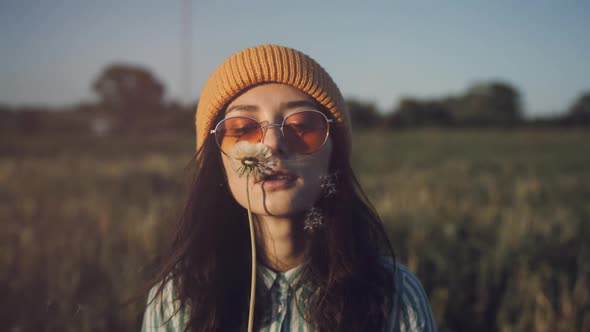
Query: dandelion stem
253, 247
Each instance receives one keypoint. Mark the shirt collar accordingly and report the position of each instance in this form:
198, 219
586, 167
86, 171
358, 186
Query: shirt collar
269, 277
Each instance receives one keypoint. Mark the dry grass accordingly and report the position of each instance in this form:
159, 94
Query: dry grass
495, 223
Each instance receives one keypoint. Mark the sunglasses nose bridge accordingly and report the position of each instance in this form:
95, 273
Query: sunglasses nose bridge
265, 129
276, 141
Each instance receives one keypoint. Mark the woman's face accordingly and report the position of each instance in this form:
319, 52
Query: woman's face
299, 187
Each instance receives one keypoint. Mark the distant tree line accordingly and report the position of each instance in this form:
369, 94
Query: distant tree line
131, 98
486, 104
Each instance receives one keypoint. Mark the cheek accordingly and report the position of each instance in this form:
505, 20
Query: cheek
236, 184
238, 187
312, 172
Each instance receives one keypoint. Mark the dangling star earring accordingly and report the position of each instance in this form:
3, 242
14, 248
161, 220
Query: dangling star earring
314, 220
328, 184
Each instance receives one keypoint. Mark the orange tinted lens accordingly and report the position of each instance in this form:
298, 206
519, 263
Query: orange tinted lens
234, 130
306, 132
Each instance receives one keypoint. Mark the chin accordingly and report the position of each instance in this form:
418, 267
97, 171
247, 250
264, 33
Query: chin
279, 214
279, 209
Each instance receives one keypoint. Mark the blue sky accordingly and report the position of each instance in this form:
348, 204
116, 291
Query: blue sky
378, 51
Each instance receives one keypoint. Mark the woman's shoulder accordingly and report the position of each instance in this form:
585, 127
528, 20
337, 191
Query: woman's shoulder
411, 310
403, 276
402, 273
163, 311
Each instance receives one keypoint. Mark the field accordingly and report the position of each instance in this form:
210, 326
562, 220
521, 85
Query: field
496, 223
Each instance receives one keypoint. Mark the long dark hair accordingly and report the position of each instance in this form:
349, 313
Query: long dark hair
209, 258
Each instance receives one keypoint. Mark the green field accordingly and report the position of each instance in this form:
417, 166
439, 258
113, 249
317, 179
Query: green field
494, 222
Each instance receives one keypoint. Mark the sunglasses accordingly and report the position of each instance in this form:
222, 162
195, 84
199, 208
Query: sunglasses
304, 132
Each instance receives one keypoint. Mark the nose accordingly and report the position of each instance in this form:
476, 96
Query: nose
274, 139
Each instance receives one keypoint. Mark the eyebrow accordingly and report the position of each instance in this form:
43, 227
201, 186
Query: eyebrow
242, 108
283, 106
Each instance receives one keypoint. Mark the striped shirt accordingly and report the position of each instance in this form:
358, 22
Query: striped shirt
411, 309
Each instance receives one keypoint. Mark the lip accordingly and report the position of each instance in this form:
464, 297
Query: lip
287, 180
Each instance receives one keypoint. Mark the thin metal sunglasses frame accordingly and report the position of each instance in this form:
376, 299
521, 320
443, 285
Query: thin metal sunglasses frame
279, 125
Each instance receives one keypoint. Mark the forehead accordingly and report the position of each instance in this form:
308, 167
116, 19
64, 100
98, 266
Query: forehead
272, 97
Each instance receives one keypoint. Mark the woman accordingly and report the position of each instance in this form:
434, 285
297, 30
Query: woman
324, 260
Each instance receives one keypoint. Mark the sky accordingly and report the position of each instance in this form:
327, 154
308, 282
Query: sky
377, 51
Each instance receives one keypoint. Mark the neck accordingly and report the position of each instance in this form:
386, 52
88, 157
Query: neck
283, 244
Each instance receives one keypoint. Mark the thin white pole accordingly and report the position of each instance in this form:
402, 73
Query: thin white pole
185, 49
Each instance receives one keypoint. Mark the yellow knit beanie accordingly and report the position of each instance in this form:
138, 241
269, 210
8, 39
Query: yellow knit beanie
271, 64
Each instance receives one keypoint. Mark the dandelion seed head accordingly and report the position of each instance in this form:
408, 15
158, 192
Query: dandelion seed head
255, 159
